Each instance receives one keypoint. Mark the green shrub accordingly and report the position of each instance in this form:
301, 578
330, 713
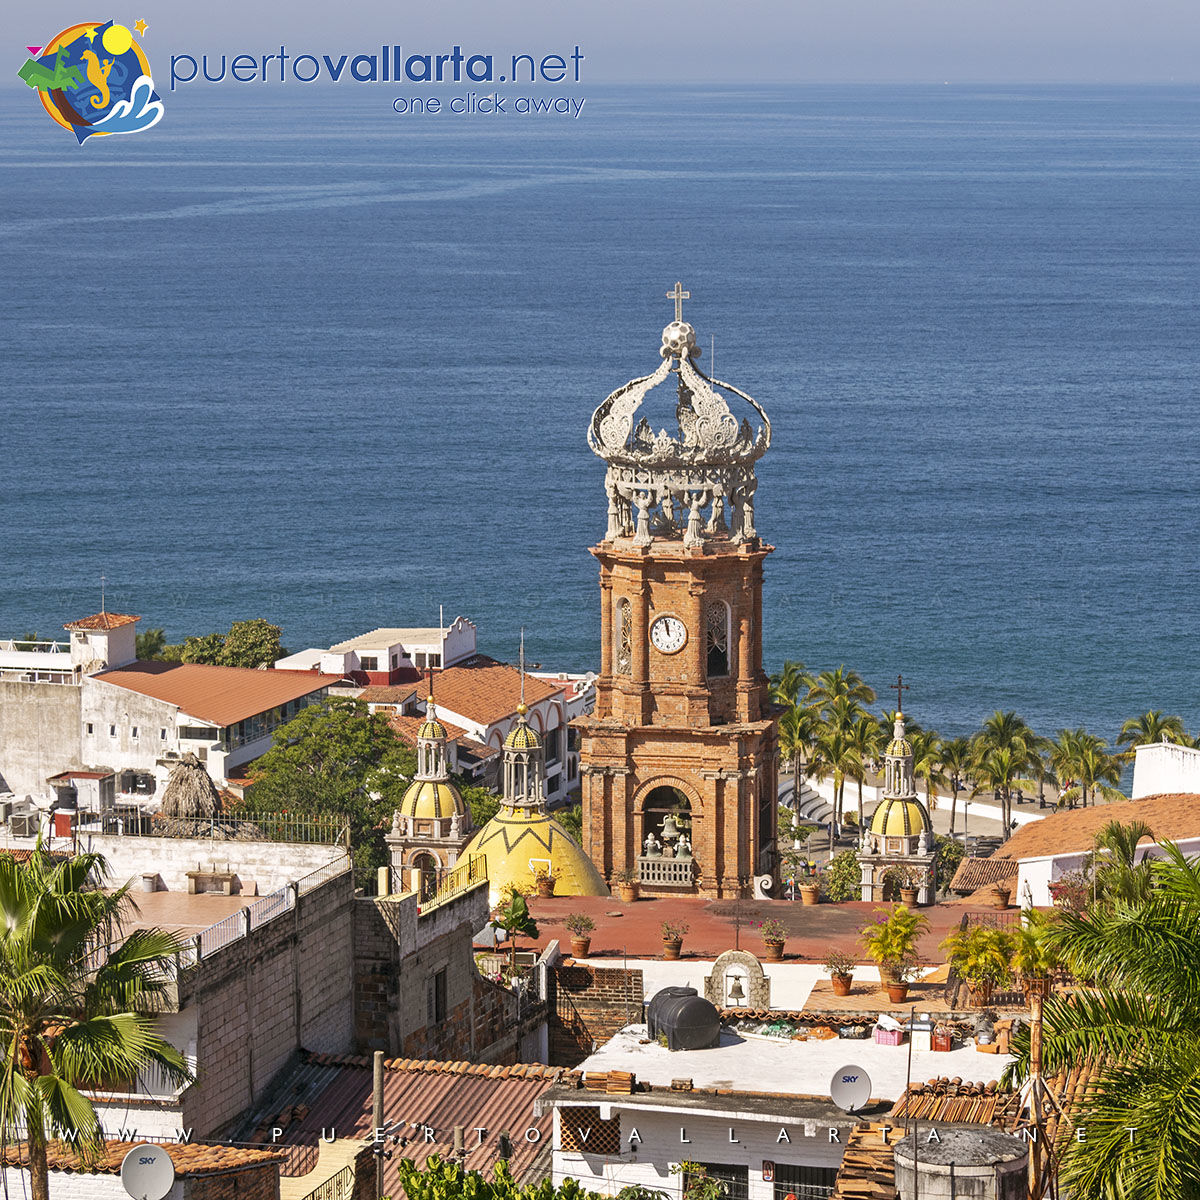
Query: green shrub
843, 877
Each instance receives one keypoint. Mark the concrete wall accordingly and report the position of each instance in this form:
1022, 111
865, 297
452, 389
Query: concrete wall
39, 734
710, 1138
269, 865
259, 1182
105, 706
1035, 875
262, 998
1161, 768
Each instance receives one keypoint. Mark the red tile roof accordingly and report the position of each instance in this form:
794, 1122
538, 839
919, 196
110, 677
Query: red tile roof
974, 873
407, 728
485, 691
336, 1091
222, 695
389, 693
189, 1159
1171, 817
102, 621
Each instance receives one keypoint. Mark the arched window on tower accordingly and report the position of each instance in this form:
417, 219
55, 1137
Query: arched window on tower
624, 638
718, 639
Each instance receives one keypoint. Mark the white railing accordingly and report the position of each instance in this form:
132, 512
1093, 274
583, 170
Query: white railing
336, 1187
667, 872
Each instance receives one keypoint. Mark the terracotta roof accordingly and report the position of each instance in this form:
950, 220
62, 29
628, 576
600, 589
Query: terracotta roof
189, 1159
222, 695
19, 855
102, 621
80, 775
485, 691
953, 1100
1171, 817
407, 728
974, 873
335, 1090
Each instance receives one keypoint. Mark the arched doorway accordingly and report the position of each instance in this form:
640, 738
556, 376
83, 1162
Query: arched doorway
429, 867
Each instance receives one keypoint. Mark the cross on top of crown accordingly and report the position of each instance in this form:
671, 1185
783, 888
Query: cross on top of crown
679, 296
900, 687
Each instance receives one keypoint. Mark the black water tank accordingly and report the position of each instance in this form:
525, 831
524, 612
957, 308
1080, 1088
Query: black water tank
687, 1020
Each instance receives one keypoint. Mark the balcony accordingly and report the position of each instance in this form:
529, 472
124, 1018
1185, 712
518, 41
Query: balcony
666, 872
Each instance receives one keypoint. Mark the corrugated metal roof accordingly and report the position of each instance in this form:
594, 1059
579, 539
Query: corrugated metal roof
332, 1094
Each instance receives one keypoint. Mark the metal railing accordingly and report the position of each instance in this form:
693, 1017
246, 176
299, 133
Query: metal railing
322, 875
237, 826
666, 872
461, 878
336, 1187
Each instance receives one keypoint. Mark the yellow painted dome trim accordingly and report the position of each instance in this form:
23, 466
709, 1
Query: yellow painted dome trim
900, 748
428, 799
900, 818
522, 737
432, 728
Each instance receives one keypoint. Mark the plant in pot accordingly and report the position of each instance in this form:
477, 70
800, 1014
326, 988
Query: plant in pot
580, 926
910, 883
673, 933
841, 971
808, 882
773, 934
901, 973
982, 957
891, 941
1034, 958
545, 879
627, 885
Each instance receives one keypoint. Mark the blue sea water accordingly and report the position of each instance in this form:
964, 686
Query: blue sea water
335, 368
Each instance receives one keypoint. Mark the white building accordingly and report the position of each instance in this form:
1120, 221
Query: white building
1162, 767
389, 655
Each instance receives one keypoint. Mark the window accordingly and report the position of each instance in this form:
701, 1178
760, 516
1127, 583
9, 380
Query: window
369, 662
90, 728
805, 1183
133, 732
196, 733
435, 661
718, 639
736, 1179
112, 731
395, 661
623, 634
435, 998
162, 735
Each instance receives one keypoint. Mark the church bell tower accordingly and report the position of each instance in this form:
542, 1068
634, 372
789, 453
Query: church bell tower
680, 755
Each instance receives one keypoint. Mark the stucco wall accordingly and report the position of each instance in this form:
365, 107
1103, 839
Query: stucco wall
105, 706
1163, 768
270, 865
39, 734
73, 1185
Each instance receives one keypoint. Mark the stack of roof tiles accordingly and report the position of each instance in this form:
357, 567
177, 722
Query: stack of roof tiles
952, 1100
868, 1170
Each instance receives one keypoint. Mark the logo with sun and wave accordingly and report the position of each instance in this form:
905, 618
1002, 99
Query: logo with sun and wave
93, 79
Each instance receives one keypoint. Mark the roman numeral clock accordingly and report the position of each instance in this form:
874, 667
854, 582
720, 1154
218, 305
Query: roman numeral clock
680, 755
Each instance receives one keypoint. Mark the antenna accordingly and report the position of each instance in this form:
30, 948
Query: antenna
102, 583
147, 1172
850, 1088
522, 664
712, 354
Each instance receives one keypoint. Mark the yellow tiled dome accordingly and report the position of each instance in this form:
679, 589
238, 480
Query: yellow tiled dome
519, 840
522, 736
428, 799
901, 818
431, 727
900, 748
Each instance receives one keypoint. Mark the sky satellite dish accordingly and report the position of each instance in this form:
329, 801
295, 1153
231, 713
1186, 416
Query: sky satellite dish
147, 1172
850, 1088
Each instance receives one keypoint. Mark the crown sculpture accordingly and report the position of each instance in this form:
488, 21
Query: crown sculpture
693, 484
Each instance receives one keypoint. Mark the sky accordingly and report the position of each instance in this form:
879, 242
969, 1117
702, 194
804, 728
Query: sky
704, 42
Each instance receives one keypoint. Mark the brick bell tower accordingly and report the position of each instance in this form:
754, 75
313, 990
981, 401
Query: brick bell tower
680, 755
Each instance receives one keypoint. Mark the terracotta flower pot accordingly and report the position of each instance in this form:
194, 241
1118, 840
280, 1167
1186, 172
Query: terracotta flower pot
1003, 895
628, 892
980, 993
897, 992
671, 949
810, 893
773, 951
841, 984
580, 946
545, 887
908, 897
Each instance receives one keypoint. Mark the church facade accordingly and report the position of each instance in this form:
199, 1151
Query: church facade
680, 756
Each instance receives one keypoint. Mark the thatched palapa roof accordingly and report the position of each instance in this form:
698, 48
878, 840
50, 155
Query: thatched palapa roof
190, 792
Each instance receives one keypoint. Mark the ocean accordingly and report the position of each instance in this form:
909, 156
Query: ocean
334, 366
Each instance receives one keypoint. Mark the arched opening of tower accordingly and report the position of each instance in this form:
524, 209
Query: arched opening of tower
427, 865
667, 824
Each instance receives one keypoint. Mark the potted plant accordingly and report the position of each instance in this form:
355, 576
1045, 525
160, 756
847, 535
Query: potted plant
841, 971
808, 882
773, 934
627, 885
673, 933
902, 975
580, 926
545, 879
910, 883
982, 957
1003, 891
1034, 959
891, 941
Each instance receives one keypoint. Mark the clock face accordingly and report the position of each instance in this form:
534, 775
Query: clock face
668, 634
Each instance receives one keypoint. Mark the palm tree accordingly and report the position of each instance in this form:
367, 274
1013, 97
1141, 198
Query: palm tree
1084, 768
1120, 876
1141, 1024
956, 761
798, 730
1002, 753
834, 756
74, 1011
865, 745
830, 685
927, 763
1149, 728
787, 686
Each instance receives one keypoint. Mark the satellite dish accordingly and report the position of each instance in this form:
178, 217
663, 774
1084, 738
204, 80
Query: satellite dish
850, 1088
147, 1172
